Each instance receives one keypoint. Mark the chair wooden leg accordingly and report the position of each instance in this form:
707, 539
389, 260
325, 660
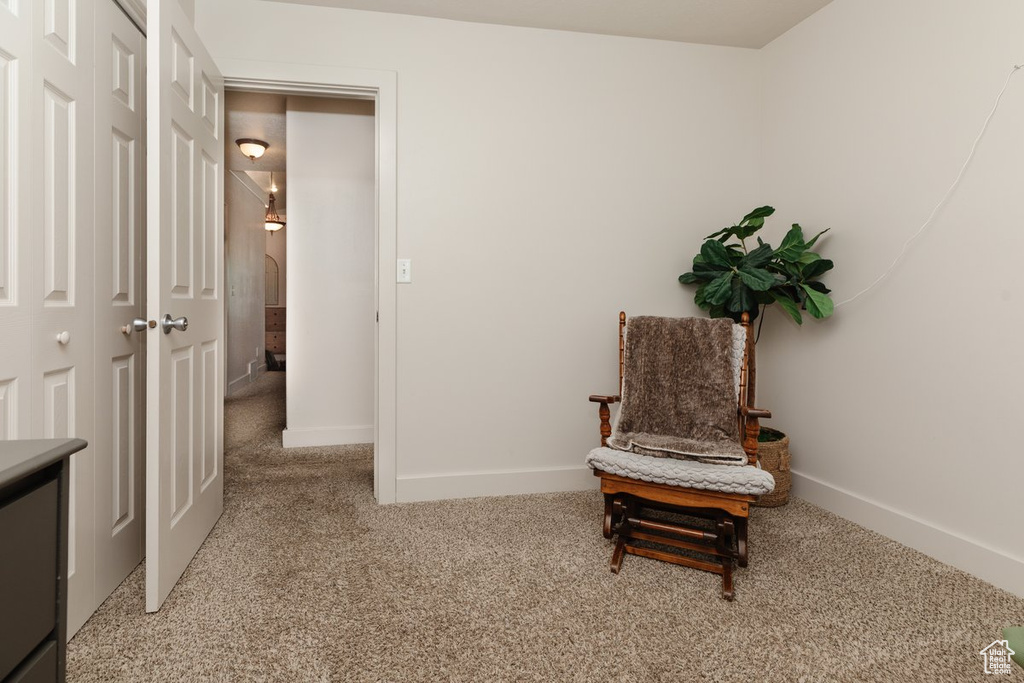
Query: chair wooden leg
726, 529
618, 554
609, 501
741, 541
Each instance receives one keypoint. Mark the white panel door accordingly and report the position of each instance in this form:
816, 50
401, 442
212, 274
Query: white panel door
16, 301
185, 378
61, 262
118, 445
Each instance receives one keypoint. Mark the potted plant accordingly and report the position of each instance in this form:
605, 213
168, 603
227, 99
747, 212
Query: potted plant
734, 277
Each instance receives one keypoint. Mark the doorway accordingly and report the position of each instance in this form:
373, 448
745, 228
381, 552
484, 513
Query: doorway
378, 89
310, 164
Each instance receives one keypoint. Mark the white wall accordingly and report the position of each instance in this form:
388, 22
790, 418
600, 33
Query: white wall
331, 305
546, 180
903, 407
244, 274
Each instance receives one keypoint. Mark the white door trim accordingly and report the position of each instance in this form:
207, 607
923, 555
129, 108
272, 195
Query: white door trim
380, 86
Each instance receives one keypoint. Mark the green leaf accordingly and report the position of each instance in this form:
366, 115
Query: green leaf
723, 234
819, 305
735, 252
717, 291
815, 238
689, 278
791, 307
760, 212
817, 268
742, 298
792, 270
758, 257
792, 244
818, 286
746, 231
756, 278
700, 297
703, 270
808, 257
718, 311
715, 254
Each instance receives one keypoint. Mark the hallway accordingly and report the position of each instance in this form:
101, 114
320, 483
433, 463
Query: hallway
255, 603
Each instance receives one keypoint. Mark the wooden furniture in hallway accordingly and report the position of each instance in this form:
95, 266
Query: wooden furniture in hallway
276, 318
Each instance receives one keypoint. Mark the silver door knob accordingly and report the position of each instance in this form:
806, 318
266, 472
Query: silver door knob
138, 325
168, 323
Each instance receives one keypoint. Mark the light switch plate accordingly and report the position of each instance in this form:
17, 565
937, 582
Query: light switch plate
404, 270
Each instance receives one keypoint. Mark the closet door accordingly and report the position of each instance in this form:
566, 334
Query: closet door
16, 301
61, 264
120, 398
185, 279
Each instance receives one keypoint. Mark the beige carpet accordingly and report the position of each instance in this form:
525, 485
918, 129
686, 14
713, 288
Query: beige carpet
305, 578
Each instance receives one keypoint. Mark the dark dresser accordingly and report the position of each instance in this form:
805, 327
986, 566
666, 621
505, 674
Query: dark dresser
34, 558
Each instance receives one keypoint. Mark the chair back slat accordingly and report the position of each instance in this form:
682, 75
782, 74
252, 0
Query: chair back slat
622, 348
749, 426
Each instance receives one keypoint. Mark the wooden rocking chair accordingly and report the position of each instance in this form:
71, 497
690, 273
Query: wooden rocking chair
721, 540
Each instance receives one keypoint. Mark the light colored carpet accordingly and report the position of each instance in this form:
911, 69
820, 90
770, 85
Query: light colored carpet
305, 578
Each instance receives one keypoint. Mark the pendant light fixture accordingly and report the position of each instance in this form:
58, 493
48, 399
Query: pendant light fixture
273, 221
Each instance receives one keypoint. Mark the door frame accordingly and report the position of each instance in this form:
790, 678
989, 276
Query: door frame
381, 87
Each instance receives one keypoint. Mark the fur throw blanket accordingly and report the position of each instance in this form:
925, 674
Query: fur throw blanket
679, 391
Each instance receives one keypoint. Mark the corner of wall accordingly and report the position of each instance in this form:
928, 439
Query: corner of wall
988, 564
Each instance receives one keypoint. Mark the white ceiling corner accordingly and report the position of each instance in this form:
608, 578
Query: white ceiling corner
735, 23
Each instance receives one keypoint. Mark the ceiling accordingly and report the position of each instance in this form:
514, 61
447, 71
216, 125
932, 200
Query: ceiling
736, 23
260, 116
263, 116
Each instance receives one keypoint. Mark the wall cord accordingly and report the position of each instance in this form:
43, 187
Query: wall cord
945, 198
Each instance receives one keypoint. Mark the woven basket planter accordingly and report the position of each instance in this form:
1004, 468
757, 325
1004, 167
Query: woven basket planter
774, 457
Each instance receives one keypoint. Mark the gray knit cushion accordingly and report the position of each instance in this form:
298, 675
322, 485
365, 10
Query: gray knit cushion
747, 479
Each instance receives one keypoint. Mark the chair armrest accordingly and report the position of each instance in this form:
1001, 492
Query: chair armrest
604, 414
749, 429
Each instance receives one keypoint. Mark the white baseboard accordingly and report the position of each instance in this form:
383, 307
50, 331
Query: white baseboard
236, 384
495, 483
327, 436
989, 564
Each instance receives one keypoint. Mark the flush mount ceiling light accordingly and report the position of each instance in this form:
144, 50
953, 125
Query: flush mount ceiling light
273, 221
252, 148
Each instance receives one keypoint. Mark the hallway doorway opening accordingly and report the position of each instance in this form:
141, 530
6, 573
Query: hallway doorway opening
368, 104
